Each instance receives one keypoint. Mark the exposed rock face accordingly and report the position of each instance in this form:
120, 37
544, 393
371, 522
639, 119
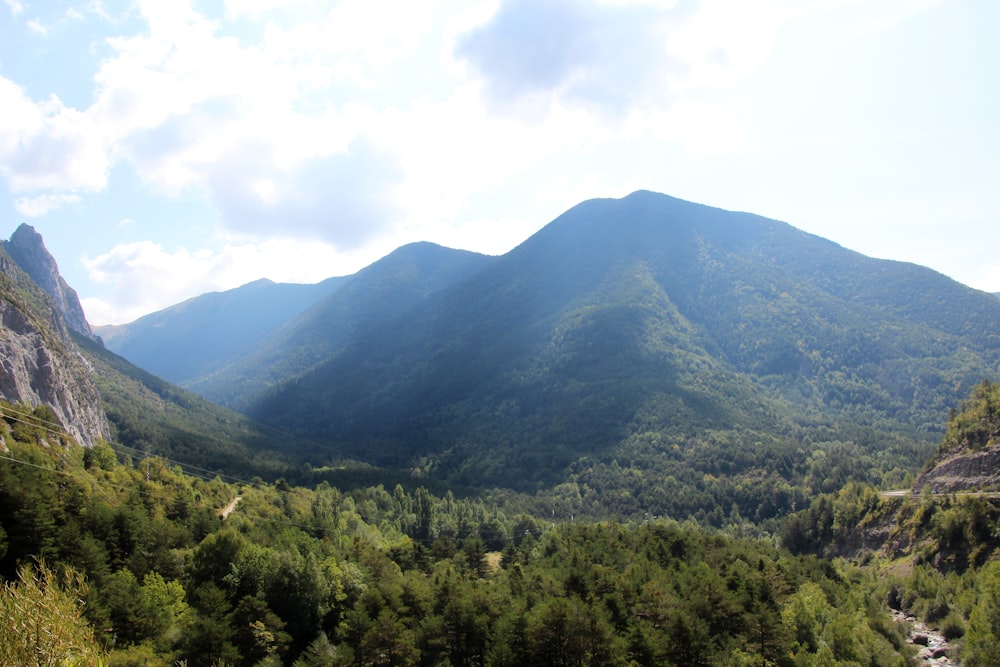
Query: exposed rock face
39, 363
28, 250
978, 471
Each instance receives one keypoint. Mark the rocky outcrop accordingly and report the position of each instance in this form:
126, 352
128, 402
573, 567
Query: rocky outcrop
28, 250
39, 363
979, 471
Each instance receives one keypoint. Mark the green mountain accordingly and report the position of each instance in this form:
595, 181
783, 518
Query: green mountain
194, 338
657, 355
392, 286
642, 355
151, 416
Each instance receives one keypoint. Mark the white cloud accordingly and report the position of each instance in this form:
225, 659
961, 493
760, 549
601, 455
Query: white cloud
38, 27
988, 279
889, 15
344, 199
36, 207
199, 110
16, 8
613, 57
49, 146
724, 42
381, 122
292, 132
257, 9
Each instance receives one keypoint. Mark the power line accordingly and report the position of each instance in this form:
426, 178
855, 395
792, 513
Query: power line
6, 415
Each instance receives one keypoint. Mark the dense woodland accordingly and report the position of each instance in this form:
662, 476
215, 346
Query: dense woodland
134, 564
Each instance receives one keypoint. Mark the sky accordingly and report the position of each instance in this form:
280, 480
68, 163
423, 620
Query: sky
165, 149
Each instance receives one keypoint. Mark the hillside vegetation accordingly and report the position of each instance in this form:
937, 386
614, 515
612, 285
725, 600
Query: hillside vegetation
975, 426
150, 415
375, 577
937, 553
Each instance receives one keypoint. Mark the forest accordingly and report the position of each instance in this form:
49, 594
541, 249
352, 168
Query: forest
133, 560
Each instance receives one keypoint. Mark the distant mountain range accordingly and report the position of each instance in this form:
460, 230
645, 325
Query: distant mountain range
193, 338
646, 338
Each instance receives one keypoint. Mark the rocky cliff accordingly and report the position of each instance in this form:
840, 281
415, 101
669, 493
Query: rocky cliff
27, 249
969, 471
969, 456
39, 363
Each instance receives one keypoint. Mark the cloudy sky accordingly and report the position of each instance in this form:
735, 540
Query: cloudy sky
169, 148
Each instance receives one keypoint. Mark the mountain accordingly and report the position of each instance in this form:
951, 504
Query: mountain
654, 339
66, 376
196, 337
641, 355
390, 287
39, 364
27, 249
148, 415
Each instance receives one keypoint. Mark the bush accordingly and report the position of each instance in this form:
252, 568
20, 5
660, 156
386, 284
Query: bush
953, 627
41, 622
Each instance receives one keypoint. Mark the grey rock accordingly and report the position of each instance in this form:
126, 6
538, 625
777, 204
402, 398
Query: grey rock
27, 248
39, 363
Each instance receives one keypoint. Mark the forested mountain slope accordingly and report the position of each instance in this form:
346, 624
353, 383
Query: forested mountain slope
661, 338
389, 288
968, 458
151, 416
194, 338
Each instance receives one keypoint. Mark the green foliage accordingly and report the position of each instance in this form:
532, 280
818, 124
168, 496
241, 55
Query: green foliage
976, 425
982, 637
318, 576
41, 621
101, 455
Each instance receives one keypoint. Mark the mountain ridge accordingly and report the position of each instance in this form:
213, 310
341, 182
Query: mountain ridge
628, 342
812, 333
392, 285
64, 375
192, 338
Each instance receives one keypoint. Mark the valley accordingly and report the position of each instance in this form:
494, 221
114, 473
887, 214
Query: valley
655, 432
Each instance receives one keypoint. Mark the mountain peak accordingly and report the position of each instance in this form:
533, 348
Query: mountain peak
27, 248
25, 235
